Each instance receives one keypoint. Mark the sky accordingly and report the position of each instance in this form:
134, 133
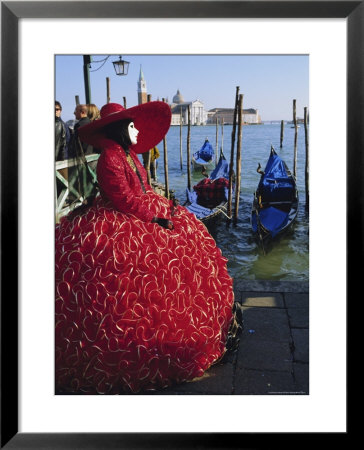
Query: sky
268, 83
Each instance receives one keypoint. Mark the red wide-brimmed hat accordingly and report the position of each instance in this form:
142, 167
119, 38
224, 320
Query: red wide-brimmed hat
151, 119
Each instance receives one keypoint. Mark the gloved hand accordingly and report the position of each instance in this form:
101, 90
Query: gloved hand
165, 223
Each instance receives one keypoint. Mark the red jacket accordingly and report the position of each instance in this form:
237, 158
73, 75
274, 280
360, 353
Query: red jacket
120, 184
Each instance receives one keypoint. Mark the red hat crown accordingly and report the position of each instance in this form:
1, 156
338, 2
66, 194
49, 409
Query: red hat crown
110, 108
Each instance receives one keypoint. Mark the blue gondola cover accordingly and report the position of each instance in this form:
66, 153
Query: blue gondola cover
205, 154
221, 170
272, 219
276, 185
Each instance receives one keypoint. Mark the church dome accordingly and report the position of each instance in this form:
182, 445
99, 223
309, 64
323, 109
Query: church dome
178, 98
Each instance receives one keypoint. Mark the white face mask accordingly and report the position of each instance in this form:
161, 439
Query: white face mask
133, 133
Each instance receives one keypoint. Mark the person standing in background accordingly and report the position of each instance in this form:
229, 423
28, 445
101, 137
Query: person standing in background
81, 116
62, 142
93, 112
62, 135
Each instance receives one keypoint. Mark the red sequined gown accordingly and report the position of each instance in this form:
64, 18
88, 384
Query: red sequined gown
138, 307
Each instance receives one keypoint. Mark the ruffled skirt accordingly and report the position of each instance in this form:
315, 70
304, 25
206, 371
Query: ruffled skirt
138, 307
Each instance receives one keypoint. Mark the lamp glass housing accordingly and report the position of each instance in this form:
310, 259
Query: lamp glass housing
121, 67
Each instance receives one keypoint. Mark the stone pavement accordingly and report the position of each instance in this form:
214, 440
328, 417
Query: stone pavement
273, 356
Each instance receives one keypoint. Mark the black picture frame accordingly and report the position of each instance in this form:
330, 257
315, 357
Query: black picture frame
11, 12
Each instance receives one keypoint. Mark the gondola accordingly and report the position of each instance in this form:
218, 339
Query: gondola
208, 199
275, 203
203, 158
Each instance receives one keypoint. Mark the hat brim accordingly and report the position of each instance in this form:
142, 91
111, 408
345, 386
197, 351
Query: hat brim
151, 119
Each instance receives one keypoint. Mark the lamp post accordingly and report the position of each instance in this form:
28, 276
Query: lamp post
86, 76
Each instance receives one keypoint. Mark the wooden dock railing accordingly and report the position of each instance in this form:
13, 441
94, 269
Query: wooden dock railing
72, 184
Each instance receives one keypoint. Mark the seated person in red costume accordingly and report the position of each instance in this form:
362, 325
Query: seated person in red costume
143, 296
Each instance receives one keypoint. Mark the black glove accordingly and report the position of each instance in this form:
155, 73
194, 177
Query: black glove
165, 223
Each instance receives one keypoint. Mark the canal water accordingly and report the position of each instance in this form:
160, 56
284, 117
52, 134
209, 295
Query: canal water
289, 258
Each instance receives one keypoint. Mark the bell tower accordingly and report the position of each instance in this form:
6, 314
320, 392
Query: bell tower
142, 88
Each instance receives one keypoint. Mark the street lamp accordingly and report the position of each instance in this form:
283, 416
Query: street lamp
121, 67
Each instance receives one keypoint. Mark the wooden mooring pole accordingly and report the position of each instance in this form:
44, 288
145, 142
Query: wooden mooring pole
147, 155
238, 159
307, 161
107, 90
295, 140
188, 148
124, 100
222, 134
231, 168
282, 133
165, 165
217, 141
180, 138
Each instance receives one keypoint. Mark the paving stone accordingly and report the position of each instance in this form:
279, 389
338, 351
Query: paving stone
256, 382
217, 380
259, 299
271, 286
266, 323
264, 355
298, 317
296, 300
237, 295
301, 344
301, 376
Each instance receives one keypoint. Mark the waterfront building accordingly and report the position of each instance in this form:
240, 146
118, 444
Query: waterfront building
250, 116
180, 109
